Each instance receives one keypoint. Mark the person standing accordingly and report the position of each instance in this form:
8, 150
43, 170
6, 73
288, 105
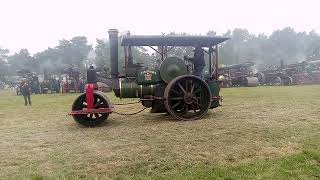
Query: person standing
25, 90
198, 61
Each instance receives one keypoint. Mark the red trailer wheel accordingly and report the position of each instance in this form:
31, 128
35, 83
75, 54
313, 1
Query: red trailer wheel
91, 119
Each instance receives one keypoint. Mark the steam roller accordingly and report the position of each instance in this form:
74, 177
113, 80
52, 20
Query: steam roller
172, 88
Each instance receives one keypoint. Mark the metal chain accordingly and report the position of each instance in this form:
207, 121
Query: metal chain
126, 103
126, 114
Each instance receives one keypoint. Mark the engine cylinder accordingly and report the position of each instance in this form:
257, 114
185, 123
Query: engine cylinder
133, 90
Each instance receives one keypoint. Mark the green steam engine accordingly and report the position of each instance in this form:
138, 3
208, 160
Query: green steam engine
172, 88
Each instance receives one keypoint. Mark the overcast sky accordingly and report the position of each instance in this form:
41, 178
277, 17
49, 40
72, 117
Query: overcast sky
39, 24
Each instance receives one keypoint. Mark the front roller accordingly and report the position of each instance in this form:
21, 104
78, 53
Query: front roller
91, 108
187, 97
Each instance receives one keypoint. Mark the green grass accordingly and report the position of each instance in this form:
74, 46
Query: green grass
303, 165
258, 133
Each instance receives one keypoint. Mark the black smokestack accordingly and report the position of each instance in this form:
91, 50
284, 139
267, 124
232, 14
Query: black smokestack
282, 64
113, 37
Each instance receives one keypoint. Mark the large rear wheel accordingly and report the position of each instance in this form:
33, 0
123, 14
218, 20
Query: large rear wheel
261, 77
287, 80
91, 120
276, 81
187, 97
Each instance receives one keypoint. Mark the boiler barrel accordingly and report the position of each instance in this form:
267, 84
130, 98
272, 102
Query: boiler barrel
133, 90
251, 81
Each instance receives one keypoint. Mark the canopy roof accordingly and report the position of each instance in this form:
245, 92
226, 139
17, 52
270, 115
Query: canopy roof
172, 40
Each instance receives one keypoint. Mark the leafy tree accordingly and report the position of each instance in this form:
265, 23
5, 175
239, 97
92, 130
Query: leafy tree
285, 44
50, 60
102, 55
102, 51
74, 51
239, 48
3, 63
80, 50
312, 50
23, 60
4, 54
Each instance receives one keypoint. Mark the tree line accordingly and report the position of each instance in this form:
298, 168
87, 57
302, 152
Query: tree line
285, 44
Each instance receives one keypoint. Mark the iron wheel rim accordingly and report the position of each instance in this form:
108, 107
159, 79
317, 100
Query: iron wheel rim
187, 98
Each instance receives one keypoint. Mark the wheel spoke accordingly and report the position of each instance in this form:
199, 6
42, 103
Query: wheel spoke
193, 107
186, 85
175, 105
97, 104
176, 92
197, 91
100, 104
182, 108
96, 115
192, 88
176, 98
196, 102
83, 105
184, 91
196, 98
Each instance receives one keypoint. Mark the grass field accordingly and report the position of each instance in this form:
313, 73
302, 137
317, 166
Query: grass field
258, 133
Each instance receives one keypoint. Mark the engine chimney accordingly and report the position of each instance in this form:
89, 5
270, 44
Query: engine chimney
282, 64
113, 38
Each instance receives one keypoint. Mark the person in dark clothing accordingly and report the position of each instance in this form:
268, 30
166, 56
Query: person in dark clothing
81, 86
198, 61
25, 90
